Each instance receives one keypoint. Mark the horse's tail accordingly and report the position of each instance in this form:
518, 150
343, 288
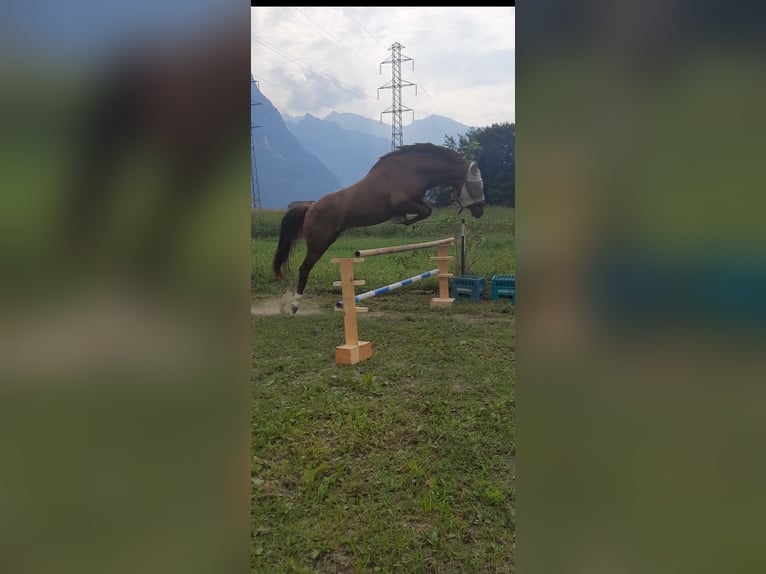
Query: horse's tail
289, 233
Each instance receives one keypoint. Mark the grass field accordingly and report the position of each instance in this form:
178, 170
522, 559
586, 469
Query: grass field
404, 462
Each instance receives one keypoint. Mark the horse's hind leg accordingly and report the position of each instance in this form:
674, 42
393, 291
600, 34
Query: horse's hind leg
313, 254
305, 269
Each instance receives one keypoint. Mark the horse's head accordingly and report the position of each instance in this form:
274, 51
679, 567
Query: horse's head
472, 193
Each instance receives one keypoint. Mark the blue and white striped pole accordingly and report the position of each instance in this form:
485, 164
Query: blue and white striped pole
387, 288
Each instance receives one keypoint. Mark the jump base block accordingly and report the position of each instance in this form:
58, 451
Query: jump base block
353, 354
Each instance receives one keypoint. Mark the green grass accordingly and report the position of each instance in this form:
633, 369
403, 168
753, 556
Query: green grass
404, 462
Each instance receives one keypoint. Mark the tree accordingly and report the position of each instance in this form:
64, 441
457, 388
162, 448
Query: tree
497, 162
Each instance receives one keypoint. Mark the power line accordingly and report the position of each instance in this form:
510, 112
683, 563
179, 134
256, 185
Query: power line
333, 38
375, 39
428, 95
351, 90
358, 23
280, 86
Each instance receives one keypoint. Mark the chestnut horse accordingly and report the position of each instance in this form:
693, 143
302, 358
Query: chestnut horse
393, 189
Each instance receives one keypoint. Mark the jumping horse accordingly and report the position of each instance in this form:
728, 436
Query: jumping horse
394, 189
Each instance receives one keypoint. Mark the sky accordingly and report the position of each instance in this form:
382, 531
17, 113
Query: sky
315, 60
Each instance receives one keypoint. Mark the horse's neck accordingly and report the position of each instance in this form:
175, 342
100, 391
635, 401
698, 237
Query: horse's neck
442, 174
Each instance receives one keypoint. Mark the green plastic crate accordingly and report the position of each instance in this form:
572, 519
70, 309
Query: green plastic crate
503, 286
469, 287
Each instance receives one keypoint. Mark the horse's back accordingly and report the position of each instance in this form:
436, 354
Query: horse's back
358, 205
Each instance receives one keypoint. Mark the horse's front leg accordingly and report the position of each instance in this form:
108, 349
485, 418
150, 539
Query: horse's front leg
421, 211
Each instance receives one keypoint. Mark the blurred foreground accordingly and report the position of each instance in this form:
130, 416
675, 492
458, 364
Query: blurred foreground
124, 339
641, 316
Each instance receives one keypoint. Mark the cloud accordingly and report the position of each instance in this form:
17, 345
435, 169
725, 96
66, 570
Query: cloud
330, 58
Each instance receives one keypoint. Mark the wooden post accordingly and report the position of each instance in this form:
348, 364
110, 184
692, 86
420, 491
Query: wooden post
443, 300
354, 350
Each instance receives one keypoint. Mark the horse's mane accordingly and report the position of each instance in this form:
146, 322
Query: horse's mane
429, 148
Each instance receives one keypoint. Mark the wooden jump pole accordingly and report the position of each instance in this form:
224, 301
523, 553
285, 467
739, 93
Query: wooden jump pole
399, 248
354, 350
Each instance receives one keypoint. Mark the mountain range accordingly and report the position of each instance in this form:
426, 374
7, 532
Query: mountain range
285, 171
304, 158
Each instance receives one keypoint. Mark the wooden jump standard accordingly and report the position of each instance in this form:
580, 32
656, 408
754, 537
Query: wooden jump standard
354, 350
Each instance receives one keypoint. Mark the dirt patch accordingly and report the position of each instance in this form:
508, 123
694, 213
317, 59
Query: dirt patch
280, 306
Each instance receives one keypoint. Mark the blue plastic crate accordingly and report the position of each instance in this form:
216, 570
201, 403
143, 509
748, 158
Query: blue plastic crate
470, 287
504, 286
